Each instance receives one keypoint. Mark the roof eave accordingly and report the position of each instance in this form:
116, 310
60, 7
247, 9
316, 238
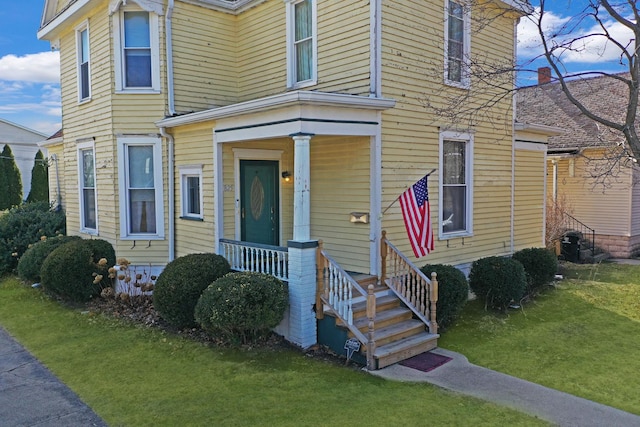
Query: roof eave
279, 101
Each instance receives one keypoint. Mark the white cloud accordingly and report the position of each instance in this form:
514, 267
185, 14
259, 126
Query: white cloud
41, 67
591, 50
48, 128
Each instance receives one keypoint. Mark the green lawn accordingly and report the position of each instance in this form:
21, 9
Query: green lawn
582, 337
133, 376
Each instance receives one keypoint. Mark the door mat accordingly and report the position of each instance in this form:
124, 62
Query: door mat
425, 362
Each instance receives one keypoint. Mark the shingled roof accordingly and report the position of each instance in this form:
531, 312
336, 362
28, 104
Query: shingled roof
548, 105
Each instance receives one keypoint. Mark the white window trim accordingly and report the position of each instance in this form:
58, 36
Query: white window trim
291, 51
123, 143
185, 172
82, 147
467, 138
118, 44
465, 82
79, 29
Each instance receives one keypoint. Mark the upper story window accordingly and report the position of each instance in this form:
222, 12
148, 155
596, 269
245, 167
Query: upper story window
84, 69
136, 42
302, 55
141, 194
456, 186
87, 187
457, 43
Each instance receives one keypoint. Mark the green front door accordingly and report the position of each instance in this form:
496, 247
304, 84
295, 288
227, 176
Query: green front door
259, 214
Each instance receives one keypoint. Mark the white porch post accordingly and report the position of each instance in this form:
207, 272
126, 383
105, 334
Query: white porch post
302, 251
301, 188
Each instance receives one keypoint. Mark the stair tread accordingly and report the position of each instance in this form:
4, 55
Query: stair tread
399, 327
403, 344
380, 300
382, 316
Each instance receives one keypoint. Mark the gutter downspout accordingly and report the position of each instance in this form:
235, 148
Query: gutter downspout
169, 54
171, 196
163, 131
513, 143
375, 64
375, 91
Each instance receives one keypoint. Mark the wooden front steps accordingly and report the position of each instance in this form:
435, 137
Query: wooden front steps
398, 335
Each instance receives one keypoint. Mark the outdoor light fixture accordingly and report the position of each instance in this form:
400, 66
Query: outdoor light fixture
286, 175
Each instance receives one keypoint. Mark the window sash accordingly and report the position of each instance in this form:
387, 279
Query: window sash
83, 64
88, 190
456, 45
301, 43
193, 195
140, 183
137, 50
455, 187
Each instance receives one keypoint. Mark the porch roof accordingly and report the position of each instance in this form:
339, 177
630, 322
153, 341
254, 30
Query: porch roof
290, 113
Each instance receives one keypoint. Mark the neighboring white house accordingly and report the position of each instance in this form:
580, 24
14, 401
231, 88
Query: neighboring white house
24, 146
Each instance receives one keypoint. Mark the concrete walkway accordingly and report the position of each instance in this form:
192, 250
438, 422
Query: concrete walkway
30, 395
548, 404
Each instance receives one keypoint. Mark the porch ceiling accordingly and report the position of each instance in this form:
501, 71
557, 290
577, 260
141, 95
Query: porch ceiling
291, 113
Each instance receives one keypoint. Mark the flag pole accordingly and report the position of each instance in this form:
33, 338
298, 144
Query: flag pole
397, 198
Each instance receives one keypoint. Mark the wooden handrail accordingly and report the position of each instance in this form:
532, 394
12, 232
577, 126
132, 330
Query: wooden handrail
409, 283
335, 289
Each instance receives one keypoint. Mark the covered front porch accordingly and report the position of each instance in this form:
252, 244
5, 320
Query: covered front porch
288, 170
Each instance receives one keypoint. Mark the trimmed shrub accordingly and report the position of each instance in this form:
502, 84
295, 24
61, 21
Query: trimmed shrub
498, 281
24, 225
181, 283
31, 262
242, 307
11, 182
74, 271
540, 266
453, 292
39, 180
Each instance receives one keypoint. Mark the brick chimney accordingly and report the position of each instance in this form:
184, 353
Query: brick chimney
544, 75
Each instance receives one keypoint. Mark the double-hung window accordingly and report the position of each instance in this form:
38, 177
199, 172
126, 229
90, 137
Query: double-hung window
87, 187
456, 185
141, 192
302, 61
191, 191
136, 41
457, 43
84, 69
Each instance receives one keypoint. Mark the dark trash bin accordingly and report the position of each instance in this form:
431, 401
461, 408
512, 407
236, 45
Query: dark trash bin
570, 247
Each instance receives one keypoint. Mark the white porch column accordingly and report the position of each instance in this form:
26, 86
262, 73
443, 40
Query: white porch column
302, 293
302, 251
301, 188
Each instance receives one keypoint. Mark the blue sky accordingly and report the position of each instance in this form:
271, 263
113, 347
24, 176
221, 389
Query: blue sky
29, 70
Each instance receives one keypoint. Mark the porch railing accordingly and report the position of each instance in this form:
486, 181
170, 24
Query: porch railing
409, 283
256, 257
573, 224
335, 289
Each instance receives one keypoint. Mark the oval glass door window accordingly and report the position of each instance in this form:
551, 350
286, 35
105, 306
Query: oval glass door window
257, 198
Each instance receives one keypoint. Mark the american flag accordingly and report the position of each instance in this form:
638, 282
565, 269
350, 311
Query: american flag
416, 214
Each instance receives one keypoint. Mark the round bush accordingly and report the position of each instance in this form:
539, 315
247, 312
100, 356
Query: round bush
242, 307
498, 281
540, 266
453, 292
31, 262
23, 226
181, 283
74, 272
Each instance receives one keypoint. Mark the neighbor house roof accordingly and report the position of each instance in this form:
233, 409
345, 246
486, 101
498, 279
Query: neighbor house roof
548, 105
